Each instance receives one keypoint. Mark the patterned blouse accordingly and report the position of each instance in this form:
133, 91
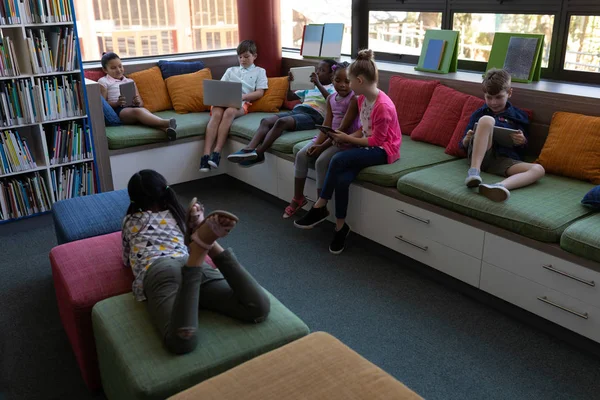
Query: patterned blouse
148, 236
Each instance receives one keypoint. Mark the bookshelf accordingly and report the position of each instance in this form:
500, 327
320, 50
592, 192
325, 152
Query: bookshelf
46, 143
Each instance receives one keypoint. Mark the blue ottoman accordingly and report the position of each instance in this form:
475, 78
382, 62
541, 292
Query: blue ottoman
88, 216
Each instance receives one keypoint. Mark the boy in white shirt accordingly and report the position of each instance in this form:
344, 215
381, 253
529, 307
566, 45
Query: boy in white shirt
254, 83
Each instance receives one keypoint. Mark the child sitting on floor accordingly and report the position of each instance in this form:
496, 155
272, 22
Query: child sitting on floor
132, 114
342, 114
254, 83
303, 117
485, 154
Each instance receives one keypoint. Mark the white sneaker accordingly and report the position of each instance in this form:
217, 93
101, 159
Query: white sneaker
495, 192
473, 179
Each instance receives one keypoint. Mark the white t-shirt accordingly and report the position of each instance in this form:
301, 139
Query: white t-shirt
112, 86
252, 78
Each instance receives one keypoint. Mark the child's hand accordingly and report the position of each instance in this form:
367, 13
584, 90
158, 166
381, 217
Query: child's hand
314, 78
518, 138
121, 101
137, 100
468, 137
340, 137
290, 76
315, 150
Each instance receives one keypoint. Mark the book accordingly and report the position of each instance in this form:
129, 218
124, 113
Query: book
331, 43
439, 52
520, 56
311, 40
434, 54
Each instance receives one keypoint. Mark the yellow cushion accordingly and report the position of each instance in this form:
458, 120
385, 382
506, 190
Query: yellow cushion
152, 88
273, 97
186, 91
573, 147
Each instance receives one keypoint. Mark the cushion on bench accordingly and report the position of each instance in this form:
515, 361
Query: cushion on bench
317, 366
124, 136
541, 211
135, 364
583, 238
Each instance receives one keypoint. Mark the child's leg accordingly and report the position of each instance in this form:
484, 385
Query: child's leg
482, 140
134, 115
282, 124
322, 165
300, 173
228, 116
212, 129
523, 174
265, 126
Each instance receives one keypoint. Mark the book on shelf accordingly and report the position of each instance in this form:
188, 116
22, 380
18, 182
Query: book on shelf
53, 50
45, 11
73, 181
9, 66
15, 153
23, 196
10, 12
57, 97
15, 102
68, 142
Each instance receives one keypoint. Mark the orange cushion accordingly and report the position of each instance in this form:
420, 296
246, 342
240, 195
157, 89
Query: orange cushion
152, 88
273, 97
471, 105
573, 147
186, 91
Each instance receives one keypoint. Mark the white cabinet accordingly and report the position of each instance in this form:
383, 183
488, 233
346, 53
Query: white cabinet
262, 176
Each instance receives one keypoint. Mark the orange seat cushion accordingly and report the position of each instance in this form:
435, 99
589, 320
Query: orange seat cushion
274, 96
186, 91
573, 147
152, 88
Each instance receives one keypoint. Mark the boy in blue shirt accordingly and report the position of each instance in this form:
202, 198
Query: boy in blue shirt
486, 155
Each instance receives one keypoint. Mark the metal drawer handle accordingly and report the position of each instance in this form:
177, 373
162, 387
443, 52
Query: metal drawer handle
580, 315
549, 267
418, 246
423, 220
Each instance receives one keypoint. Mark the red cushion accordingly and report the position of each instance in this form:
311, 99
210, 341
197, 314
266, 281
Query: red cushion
441, 117
471, 105
93, 74
411, 97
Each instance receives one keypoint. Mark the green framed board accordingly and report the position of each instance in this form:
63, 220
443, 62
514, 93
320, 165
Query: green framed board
518, 53
448, 57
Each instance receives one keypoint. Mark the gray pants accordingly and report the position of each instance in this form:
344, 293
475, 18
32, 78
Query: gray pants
176, 291
321, 163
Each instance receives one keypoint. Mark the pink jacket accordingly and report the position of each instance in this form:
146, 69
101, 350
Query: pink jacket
384, 126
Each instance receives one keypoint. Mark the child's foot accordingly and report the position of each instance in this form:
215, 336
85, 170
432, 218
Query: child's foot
495, 192
204, 165
260, 158
339, 240
171, 130
194, 217
216, 225
214, 160
242, 155
473, 178
312, 218
294, 206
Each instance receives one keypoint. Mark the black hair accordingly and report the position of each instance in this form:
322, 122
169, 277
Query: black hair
330, 62
247, 46
339, 66
107, 57
147, 190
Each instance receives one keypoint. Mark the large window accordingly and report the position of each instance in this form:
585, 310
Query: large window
400, 32
583, 43
136, 28
297, 13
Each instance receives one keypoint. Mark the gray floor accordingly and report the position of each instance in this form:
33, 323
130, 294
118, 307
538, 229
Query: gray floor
438, 342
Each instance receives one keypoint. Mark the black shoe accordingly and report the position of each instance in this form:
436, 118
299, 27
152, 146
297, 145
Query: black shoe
312, 218
260, 158
215, 159
337, 244
242, 155
171, 130
204, 166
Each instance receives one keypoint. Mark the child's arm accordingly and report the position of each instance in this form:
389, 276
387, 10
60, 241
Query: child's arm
381, 122
126, 247
104, 93
262, 84
314, 78
464, 141
253, 96
350, 116
137, 100
291, 95
322, 138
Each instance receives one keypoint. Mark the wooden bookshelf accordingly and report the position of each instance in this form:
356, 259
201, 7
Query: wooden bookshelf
46, 143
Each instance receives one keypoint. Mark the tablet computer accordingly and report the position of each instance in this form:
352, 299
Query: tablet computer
325, 129
502, 135
127, 90
302, 78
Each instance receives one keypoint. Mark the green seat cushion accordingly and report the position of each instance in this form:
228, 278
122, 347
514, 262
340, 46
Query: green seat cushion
135, 364
245, 127
541, 211
124, 136
413, 156
583, 238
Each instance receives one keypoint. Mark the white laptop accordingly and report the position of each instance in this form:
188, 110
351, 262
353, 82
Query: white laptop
222, 93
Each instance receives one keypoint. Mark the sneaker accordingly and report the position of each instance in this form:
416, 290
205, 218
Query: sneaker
495, 192
242, 155
260, 158
312, 218
171, 130
204, 165
473, 178
339, 239
215, 159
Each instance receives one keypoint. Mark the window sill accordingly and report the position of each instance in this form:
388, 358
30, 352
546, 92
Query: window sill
143, 61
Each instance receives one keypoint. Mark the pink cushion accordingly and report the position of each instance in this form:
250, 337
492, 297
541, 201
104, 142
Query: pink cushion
441, 117
411, 97
471, 105
93, 74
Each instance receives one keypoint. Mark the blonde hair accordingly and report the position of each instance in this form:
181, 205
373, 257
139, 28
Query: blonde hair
365, 65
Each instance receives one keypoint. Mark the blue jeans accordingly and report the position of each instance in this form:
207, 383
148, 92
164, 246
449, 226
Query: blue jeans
343, 168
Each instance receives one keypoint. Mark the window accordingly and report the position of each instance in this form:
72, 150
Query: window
583, 43
297, 13
137, 28
477, 32
400, 32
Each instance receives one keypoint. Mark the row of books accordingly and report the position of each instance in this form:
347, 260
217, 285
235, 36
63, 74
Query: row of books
52, 50
9, 66
14, 12
20, 197
68, 142
10, 12
73, 181
15, 154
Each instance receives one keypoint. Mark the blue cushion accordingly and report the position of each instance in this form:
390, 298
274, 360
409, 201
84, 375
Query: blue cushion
110, 116
592, 198
172, 68
88, 216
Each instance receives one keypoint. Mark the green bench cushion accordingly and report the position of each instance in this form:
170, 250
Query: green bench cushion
413, 156
134, 363
124, 136
583, 238
245, 127
541, 211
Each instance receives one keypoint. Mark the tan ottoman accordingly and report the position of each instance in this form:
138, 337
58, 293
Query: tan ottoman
317, 366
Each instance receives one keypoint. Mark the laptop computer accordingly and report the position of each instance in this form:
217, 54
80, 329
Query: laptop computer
222, 93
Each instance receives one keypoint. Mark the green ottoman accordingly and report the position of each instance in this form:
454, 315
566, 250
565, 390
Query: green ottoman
134, 364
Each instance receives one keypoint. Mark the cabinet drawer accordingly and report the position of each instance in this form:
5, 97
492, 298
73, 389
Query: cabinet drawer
383, 212
557, 307
552, 272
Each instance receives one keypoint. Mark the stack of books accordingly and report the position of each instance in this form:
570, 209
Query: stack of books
9, 66
73, 181
10, 13
15, 102
52, 51
15, 154
68, 142
23, 196
57, 97
44, 11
